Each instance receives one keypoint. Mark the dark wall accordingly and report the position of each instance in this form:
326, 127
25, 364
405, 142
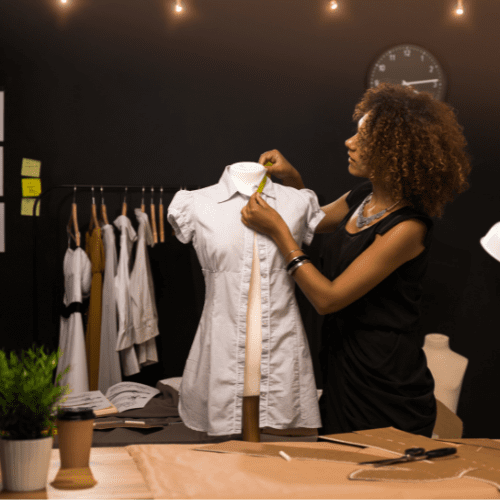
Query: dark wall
122, 92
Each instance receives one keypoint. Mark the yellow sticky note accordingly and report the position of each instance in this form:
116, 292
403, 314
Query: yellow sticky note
268, 164
31, 168
27, 205
32, 187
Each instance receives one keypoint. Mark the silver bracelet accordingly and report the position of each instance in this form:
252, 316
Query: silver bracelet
296, 266
296, 250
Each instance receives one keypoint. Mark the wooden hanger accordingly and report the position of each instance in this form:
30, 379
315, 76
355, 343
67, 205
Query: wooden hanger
73, 222
124, 206
104, 212
93, 214
153, 216
162, 227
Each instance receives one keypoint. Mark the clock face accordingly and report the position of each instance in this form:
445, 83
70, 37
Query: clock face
409, 65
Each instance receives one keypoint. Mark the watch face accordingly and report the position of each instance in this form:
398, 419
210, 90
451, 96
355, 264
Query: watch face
409, 65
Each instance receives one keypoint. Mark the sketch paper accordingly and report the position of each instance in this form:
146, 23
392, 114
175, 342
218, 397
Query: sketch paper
1, 170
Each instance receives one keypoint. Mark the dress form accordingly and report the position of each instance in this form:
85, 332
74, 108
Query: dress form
447, 368
247, 177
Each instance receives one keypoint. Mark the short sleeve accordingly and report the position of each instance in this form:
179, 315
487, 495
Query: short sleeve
358, 194
179, 215
314, 214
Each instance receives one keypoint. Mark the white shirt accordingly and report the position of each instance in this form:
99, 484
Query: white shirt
143, 305
125, 340
109, 359
77, 280
211, 391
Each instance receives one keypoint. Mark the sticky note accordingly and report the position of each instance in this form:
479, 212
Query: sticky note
27, 205
32, 187
31, 168
268, 164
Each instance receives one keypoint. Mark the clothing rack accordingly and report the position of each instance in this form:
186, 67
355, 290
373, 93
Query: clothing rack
80, 188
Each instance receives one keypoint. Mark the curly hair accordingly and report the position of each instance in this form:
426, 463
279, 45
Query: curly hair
414, 146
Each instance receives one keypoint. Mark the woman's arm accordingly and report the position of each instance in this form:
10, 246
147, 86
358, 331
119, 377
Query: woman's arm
389, 251
284, 170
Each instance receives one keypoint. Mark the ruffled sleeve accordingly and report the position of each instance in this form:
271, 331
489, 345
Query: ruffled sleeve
179, 215
313, 214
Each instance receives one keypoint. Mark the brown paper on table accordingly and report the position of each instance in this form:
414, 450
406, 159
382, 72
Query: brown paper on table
179, 471
272, 450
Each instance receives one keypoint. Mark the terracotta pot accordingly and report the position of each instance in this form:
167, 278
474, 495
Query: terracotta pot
25, 463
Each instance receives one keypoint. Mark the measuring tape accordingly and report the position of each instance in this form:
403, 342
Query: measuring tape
264, 180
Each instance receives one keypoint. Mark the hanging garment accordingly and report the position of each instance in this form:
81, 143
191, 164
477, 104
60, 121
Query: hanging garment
144, 313
77, 279
211, 393
95, 250
125, 340
109, 359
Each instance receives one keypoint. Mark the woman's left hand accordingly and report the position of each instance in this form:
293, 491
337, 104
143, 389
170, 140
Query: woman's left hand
261, 217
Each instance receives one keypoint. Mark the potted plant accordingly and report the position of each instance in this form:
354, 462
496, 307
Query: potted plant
28, 398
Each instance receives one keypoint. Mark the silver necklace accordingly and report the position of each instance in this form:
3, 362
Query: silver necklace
363, 221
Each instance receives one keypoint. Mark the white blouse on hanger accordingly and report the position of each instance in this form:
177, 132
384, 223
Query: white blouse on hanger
144, 312
77, 279
109, 359
125, 340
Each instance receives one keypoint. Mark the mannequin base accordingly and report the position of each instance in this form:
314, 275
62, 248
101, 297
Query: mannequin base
251, 431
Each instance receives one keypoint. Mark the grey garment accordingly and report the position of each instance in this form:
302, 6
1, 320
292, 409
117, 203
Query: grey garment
109, 361
211, 394
162, 411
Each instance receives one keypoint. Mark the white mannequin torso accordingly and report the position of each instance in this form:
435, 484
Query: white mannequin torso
247, 177
447, 368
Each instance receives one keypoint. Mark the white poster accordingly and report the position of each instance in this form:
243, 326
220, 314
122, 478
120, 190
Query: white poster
2, 227
2, 101
1, 170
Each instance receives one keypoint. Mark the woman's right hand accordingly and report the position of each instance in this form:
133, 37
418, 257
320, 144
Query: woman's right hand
281, 168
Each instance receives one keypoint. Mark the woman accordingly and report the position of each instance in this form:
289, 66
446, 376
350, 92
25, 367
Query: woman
412, 151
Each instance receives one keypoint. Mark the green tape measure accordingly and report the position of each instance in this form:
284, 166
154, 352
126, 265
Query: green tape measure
263, 181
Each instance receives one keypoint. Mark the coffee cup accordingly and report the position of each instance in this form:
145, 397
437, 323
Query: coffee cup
75, 427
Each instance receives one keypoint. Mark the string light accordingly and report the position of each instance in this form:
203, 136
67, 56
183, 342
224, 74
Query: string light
64, 1
178, 7
459, 10
333, 5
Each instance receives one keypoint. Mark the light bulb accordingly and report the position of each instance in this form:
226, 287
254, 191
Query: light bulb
64, 1
459, 9
333, 5
178, 7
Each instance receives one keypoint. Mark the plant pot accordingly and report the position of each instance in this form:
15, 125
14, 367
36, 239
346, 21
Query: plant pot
25, 463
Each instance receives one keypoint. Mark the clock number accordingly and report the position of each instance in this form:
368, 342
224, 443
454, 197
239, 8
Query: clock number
381, 67
392, 57
422, 58
376, 82
407, 52
435, 84
431, 69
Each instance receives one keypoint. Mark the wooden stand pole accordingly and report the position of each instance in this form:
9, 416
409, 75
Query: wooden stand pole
251, 431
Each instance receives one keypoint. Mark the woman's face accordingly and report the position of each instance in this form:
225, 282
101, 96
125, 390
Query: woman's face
353, 144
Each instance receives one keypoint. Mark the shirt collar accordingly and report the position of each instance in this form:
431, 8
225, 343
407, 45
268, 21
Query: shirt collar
227, 188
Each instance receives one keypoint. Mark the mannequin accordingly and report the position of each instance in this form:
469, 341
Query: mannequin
447, 368
247, 177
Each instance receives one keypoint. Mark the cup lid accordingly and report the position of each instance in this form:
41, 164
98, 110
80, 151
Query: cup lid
78, 413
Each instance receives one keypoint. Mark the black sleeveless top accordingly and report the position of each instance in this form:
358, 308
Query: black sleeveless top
374, 371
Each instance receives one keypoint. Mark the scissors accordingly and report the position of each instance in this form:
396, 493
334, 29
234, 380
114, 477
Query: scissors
413, 454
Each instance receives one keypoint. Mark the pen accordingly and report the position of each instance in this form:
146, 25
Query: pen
285, 456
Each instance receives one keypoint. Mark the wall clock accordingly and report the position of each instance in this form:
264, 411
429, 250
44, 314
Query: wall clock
408, 64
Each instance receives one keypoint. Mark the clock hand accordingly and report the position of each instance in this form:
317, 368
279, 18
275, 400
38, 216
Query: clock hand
419, 82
